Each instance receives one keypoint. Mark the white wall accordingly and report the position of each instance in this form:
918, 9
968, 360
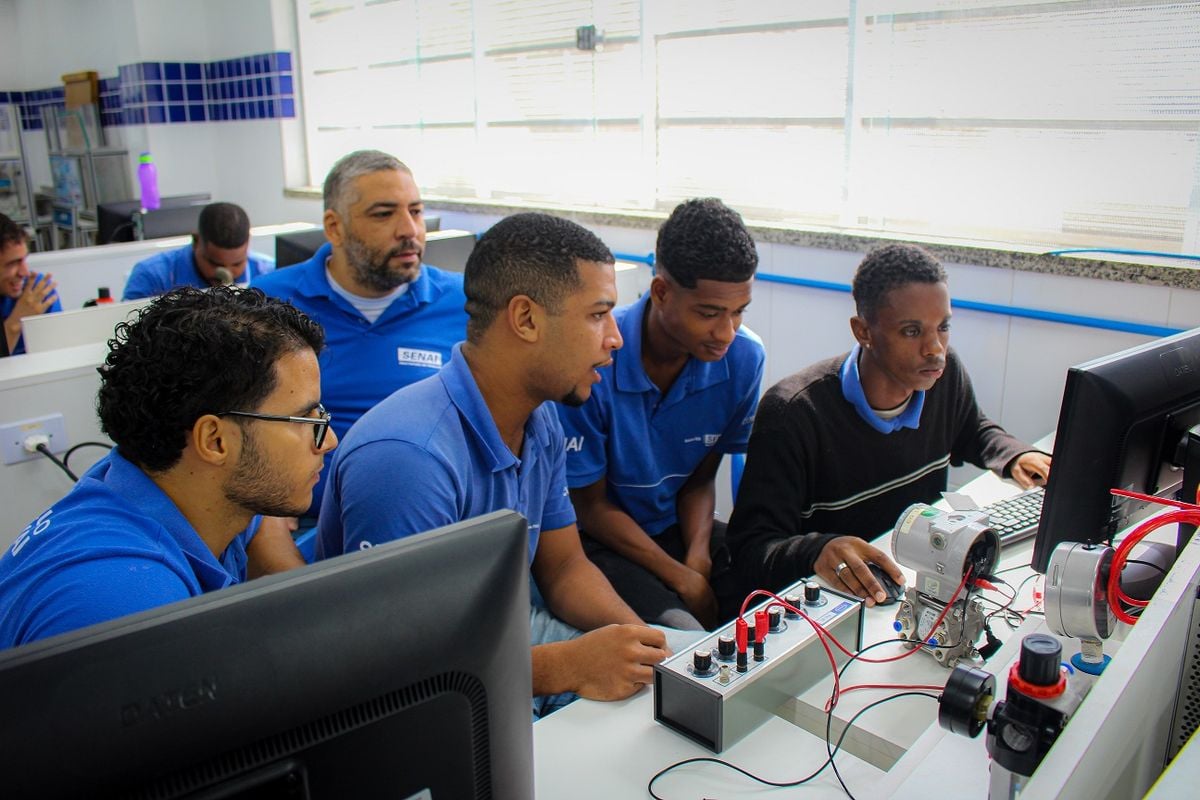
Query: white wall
63, 382
242, 162
1018, 366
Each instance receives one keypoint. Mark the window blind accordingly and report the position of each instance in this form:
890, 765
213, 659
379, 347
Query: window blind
1057, 123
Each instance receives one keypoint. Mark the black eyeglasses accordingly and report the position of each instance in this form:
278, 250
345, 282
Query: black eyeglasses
320, 423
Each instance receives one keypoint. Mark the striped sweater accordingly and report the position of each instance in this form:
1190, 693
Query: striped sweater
815, 469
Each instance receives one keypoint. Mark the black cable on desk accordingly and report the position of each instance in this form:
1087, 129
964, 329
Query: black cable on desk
831, 750
1012, 569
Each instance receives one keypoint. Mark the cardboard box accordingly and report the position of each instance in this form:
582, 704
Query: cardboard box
82, 88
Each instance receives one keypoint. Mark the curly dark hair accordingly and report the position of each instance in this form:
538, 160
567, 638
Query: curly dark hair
11, 233
704, 239
527, 254
890, 267
191, 353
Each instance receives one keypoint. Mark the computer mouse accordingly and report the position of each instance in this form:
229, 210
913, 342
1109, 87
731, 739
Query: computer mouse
894, 590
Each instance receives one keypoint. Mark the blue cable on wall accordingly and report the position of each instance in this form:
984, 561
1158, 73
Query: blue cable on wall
1122, 252
997, 308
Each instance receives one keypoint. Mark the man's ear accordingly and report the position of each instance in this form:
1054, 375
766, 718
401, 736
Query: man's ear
211, 438
659, 286
334, 230
526, 318
861, 331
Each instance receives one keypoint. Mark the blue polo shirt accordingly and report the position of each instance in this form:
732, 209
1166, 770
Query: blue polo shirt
648, 444
163, 272
852, 390
431, 455
364, 362
115, 545
7, 304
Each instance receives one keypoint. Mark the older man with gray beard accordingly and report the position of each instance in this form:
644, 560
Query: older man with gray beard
389, 320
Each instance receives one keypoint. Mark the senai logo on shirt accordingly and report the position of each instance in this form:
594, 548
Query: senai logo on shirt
419, 358
709, 439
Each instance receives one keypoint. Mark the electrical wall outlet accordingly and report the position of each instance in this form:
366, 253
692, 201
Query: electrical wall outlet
14, 434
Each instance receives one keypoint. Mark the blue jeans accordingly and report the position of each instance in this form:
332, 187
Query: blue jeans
545, 628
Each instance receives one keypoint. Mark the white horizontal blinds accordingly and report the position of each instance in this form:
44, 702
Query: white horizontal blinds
1069, 123
558, 123
751, 105
397, 75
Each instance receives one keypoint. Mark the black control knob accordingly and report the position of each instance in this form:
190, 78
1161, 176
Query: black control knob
812, 593
702, 661
775, 617
725, 648
796, 601
1041, 655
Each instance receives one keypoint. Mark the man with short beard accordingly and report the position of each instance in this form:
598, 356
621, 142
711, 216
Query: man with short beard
389, 320
214, 402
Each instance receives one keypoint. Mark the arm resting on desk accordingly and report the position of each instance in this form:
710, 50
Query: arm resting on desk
616, 657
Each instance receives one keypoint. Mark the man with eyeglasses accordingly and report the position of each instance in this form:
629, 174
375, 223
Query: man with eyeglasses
214, 402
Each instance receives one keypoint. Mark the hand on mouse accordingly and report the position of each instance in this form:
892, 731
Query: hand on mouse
843, 565
1030, 469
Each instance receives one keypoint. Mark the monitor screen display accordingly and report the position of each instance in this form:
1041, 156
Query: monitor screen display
401, 671
1122, 423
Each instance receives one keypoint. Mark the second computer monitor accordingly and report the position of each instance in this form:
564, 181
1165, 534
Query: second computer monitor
1122, 422
115, 221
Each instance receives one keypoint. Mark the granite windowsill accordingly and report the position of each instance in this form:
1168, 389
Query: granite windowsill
1149, 270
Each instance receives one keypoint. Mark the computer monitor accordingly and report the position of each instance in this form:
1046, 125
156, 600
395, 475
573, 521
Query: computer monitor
1123, 424
400, 671
168, 221
115, 222
293, 248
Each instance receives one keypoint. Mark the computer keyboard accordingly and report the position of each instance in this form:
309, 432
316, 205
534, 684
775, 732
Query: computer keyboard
1016, 518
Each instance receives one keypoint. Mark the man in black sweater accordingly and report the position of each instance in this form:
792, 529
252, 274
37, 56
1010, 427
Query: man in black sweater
842, 447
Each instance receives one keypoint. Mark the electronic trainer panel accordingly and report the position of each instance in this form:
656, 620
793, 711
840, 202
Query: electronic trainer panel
735, 679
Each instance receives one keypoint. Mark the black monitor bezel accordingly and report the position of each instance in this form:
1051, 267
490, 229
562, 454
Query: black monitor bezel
167, 698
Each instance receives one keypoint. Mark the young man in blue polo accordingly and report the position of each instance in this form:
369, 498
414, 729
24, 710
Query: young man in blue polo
482, 435
389, 319
643, 452
218, 254
214, 402
22, 293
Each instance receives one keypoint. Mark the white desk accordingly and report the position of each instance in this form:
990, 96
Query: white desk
1113, 746
593, 749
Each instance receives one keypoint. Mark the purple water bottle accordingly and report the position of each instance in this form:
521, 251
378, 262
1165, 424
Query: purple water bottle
148, 178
